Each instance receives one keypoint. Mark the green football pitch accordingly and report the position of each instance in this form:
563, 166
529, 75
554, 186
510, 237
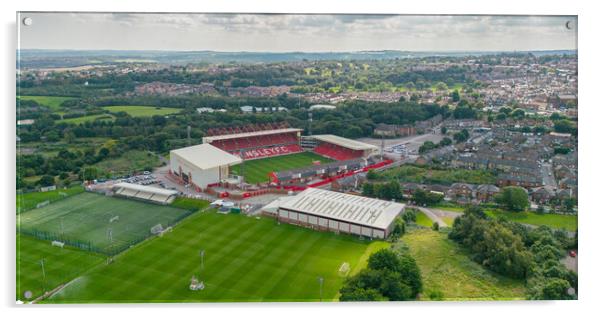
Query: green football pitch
86, 217
60, 265
245, 259
256, 171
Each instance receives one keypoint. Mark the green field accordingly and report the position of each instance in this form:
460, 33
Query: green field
448, 269
53, 103
27, 201
60, 265
85, 217
256, 171
423, 220
557, 221
88, 118
128, 162
141, 110
246, 259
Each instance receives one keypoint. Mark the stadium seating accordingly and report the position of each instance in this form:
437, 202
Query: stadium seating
253, 147
271, 151
337, 152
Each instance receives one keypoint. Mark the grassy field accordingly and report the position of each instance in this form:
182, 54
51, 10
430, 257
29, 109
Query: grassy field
190, 203
53, 103
60, 265
88, 118
86, 217
256, 171
141, 110
558, 221
423, 174
446, 268
27, 201
246, 259
423, 220
128, 162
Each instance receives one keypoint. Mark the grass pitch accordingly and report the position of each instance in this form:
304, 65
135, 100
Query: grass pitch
246, 259
557, 221
141, 110
53, 103
86, 217
27, 201
256, 171
446, 268
61, 265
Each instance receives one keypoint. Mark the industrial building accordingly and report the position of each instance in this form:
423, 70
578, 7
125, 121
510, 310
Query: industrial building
201, 165
339, 212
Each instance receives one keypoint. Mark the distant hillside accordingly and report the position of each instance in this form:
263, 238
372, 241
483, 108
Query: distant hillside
33, 58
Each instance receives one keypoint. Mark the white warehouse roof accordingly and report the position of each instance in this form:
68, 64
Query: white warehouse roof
344, 142
344, 207
144, 188
206, 156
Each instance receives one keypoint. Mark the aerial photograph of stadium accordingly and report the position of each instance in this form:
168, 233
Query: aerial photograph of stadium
194, 158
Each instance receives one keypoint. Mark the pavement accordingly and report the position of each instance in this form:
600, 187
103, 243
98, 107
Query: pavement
548, 175
431, 214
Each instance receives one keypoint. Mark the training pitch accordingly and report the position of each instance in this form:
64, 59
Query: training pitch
256, 171
42, 267
86, 217
245, 259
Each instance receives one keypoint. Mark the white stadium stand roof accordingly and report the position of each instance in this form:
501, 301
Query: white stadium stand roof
344, 142
143, 192
209, 139
345, 207
206, 156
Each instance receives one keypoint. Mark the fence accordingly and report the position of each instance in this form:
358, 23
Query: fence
110, 250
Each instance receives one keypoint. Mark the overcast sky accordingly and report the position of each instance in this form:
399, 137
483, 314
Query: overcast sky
279, 33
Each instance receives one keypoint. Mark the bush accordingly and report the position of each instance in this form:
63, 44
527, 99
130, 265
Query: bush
435, 226
389, 276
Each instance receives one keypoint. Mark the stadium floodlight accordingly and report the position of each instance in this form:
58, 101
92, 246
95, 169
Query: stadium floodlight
202, 254
321, 281
43, 274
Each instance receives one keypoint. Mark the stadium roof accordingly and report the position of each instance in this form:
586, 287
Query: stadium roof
206, 156
144, 188
209, 139
344, 142
344, 207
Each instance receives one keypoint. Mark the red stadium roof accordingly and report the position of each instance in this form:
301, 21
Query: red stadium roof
209, 139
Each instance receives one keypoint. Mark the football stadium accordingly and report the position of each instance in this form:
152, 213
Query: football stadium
88, 242
269, 156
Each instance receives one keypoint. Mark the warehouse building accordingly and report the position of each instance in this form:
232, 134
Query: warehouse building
340, 212
201, 165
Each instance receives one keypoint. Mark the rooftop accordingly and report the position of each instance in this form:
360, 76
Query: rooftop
345, 207
209, 139
206, 156
344, 142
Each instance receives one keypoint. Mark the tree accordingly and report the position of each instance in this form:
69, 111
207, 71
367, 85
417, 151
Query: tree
455, 96
461, 136
446, 141
89, 173
389, 276
443, 130
518, 114
46, 181
368, 189
513, 199
435, 226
